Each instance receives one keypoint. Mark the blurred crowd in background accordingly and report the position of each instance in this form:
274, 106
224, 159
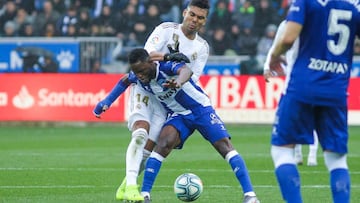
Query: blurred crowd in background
234, 27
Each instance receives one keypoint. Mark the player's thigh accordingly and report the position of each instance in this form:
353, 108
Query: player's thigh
139, 105
211, 127
157, 120
294, 123
183, 124
332, 128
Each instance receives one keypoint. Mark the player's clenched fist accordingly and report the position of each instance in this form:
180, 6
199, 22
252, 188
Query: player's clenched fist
100, 107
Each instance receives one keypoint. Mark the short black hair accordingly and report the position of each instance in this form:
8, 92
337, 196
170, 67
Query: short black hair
204, 4
138, 55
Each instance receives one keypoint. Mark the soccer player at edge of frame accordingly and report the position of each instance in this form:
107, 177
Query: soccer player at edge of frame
190, 109
289, 56
166, 40
316, 93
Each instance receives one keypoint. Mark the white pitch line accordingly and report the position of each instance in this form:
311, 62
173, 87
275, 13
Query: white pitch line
169, 170
158, 186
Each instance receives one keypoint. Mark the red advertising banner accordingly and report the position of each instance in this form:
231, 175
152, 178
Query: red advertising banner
56, 97
72, 97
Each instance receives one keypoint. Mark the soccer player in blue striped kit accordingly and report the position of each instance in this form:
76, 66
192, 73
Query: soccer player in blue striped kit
190, 110
316, 91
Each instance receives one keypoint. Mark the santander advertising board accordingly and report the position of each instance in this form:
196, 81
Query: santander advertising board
72, 97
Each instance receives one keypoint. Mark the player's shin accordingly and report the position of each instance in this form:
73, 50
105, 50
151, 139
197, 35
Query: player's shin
239, 167
152, 169
134, 155
339, 176
286, 173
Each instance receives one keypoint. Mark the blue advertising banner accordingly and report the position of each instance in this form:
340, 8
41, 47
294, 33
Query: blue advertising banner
39, 56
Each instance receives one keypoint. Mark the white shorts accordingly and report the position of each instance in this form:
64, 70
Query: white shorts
144, 106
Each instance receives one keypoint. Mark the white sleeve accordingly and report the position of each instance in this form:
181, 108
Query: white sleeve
200, 62
157, 39
279, 32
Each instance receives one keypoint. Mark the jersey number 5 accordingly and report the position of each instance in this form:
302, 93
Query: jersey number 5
335, 27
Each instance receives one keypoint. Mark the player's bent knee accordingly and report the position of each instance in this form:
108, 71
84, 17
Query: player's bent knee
282, 155
334, 160
140, 135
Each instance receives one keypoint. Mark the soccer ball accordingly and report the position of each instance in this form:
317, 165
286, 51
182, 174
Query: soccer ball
188, 187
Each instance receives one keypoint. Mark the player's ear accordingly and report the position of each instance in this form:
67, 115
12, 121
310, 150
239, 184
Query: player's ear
184, 12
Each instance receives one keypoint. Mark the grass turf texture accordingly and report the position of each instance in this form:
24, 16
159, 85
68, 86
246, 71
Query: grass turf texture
86, 164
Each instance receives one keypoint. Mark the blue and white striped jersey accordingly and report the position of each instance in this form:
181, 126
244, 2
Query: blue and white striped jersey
321, 70
190, 98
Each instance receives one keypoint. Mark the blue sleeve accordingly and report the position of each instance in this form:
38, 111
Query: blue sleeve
117, 90
170, 67
297, 12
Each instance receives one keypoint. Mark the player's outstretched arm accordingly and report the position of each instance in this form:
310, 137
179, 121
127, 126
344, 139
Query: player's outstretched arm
184, 75
117, 90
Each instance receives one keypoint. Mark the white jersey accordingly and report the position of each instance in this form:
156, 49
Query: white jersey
169, 33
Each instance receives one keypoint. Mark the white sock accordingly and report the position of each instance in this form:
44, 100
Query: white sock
298, 150
314, 147
134, 155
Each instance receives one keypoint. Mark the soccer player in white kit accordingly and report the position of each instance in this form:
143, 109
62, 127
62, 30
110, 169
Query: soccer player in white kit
289, 57
146, 114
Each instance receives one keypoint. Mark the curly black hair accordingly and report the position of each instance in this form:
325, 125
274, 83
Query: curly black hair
204, 4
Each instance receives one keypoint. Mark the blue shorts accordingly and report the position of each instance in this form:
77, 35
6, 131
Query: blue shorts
296, 120
207, 123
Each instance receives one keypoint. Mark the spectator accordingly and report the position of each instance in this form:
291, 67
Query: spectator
246, 43
95, 30
169, 10
145, 24
126, 24
99, 7
85, 4
21, 18
69, 18
72, 31
84, 24
9, 14
220, 18
106, 21
27, 5
27, 30
244, 17
59, 6
96, 66
47, 15
357, 47
49, 30
263, 16
264, 45
9, 29
220, 42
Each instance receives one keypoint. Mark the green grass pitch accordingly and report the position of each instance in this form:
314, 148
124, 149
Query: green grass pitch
63, 163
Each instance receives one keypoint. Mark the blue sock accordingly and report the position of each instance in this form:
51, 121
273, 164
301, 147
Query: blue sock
340, 185
152, 168
289, 180
238, 165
